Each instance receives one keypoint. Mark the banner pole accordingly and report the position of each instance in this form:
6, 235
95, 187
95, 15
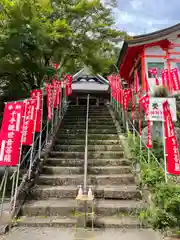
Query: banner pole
4, 190
126, 119
52, 121
40, 135
19, 163
12, 190
56, 116
32, 148
2, 182
60, 102
148, 155
134, 130
47, 131
164, 146
140, 146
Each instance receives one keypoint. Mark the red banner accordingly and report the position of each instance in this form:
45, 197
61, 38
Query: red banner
157, 81
165, 77
146, 84
69, 79
118, 88
55, 92
153, 71
113, 84
29, 121
37, 94
149, 140
133, 105
114, 92
58, 93
140, 119
144, 101
49, 100
127, 97
11, 133
137, 86
175, 79
173, 161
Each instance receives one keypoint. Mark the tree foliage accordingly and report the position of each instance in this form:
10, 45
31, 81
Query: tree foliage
33, 33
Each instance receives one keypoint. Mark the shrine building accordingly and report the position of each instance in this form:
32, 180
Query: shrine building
160, 49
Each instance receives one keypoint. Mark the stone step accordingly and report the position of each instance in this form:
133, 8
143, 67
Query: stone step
82, 142
93, 107
128, 192
99, 154
90, 136
90, 126
80, 148
91, 170
82, 124
84, 113
44, 221
90, 131
91, 162
83, 116
114, 179
125, 222
68, 207
91, 110
90, 120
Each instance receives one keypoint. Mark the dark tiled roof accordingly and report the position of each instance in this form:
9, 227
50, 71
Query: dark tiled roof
154, 35
143, 39
91, 86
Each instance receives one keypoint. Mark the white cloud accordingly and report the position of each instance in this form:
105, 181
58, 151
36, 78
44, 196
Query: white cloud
143, 16
126, 17
136, 4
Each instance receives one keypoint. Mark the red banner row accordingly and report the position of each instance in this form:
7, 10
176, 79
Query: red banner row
22, 119
125, 96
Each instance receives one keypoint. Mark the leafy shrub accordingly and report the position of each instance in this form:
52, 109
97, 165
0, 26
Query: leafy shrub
151, 174
163, 213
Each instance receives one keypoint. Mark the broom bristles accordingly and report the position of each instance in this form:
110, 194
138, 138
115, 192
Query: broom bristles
161, 92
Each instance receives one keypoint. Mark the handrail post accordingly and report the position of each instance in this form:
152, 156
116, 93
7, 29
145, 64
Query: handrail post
86, 147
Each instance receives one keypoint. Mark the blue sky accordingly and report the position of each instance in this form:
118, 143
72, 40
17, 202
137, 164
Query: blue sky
144, 16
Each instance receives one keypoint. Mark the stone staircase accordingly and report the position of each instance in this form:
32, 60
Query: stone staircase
117, 199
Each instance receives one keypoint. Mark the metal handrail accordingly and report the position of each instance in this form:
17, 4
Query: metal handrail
16, 188
140, 138
86, 147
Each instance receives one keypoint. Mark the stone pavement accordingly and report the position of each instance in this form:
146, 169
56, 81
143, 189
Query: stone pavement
68, 234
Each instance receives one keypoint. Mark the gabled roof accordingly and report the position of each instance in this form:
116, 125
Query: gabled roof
157, 35
89, 86
87, 75
83, 81
132, 48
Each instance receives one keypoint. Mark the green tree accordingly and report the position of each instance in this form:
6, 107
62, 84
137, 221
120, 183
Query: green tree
33, 33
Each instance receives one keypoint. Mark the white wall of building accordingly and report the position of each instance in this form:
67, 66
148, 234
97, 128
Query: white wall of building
156, 50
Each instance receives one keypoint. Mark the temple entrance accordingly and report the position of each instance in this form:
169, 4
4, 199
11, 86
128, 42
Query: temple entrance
83, 101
